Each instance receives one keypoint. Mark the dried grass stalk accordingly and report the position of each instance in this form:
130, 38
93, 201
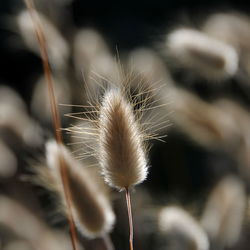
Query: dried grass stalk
57, 45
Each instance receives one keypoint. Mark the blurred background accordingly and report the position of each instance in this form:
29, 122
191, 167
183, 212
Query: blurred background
196, 53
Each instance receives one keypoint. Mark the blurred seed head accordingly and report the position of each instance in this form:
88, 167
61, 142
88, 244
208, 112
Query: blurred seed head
151, 78
149, 65
206, 124
232, 28
88, 44
183, 230
40, 103
93, 62
18, 244
210, 58
29, 227
241, 115
58, 49
10, 97
92, 211
8, 161
14, 116
224, 212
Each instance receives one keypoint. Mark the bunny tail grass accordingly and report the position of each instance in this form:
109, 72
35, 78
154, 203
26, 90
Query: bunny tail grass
122, 157
91, 209
122, 154
223, 216
54, 110
209, 57
183, 229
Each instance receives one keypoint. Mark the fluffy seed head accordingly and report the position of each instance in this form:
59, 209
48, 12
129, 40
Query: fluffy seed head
224, 212
122, 157
57, 46
204, 123
8, 165
182, 227
91, 210
40, 98
207, 56
235, 29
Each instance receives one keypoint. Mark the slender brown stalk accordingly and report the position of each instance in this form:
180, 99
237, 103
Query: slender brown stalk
47, 71
130, 218
55, 114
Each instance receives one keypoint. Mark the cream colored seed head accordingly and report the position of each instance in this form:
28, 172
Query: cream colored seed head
91, 209
179, 223
122, 156
209, 57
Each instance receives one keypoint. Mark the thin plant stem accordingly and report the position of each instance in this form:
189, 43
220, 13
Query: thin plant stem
55, 114
130, 218
108, 242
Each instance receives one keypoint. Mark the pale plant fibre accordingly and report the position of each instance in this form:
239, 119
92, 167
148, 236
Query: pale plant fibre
154, 79
225, 210
177, 222
92, 211
204, 123
58, 49
208, 57
83, 141
29, 227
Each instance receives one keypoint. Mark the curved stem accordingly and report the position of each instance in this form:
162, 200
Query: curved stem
130, 218
55, 114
